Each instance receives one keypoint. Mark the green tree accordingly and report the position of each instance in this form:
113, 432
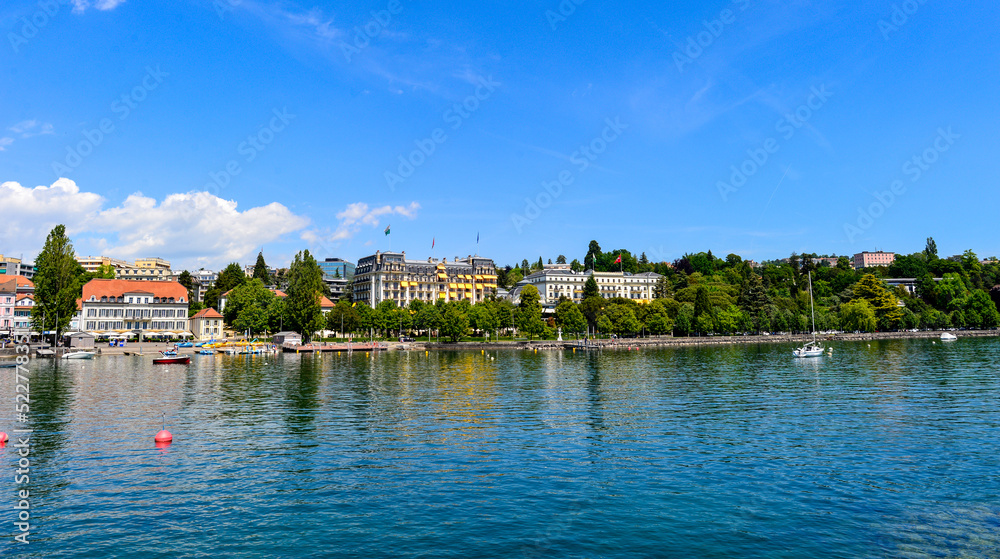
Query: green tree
590, 288
561, 259
658, 319
702, 303
663, 289
576, 266
530, 312
593, 252
184, 278
930, 249
277, 315
305, 287
260, 270
428, 318
857, 315
343, 317
229, 278
247, 307
623, 320
454, 322
483, 317
684, 323
882, 301
569, 317
58, 283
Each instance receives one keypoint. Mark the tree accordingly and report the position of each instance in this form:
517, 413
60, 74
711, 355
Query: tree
530, 312
247, 307
930, 249
663, 289
590, 288
58, 283
184, 278
561, 259
277, 315
882, 301
593, 252
540, 265
702, 303
569, 317
305, 287
229, 278
260, 270
483, 317
342, 317
525, 267
857, 315
658, 319
576, 266
684, 324
454, 322
623, 320
428, 318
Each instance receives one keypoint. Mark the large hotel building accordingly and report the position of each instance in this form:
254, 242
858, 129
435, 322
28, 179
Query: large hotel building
142, 307
557, 281
390, 276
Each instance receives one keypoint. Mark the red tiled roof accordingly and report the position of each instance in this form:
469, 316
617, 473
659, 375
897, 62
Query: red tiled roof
21, 296
117, 288
8, 286
325, 303
207, 313
20, 281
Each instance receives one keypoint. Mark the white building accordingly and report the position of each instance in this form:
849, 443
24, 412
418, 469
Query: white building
141, 307
391, 276
207, 324
555, 283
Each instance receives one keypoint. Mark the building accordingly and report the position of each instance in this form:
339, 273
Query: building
8, 296
335, 267
153, 263
140, 307
325, 304
147, 274
869, 259
93, 264
553, 284
15, 267
390, 276
23, 306
206, 324
203, 281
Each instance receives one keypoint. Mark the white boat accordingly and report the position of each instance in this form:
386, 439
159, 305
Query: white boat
811, 349
79, 355
948, 337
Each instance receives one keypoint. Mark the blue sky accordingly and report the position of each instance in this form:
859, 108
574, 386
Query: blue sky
201, 130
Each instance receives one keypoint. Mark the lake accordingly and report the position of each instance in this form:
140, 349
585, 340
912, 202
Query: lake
884, 450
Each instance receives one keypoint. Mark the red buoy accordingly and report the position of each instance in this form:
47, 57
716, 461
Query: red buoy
163, 436
3, 437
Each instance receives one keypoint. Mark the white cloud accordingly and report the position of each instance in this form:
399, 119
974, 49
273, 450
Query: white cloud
4, 142
354, 217
80, 6
29, 128
194, 227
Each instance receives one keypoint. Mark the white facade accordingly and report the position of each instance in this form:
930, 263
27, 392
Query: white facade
139, 306
554, 283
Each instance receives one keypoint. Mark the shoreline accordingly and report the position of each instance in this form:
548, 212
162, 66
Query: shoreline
620, 343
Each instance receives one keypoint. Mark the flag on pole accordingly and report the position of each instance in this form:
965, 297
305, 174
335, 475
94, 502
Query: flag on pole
619, 261
477, 237
433, 240
387, 229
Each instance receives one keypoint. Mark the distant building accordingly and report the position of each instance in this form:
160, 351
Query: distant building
553, 284
206, 324
203, 281
10, 266
142, 307
156, 269
152, 264
17, 299
334, 267
390, 276
8, 296
869, 259
325, 304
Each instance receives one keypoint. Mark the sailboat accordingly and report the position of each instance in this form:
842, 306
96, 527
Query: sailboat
811, 349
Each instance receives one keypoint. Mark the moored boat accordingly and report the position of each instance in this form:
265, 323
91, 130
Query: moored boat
79, 355
811, 349
176, 360
948, 337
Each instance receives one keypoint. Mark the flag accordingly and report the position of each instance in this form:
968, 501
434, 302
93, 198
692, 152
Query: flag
433, 240
477, 237
619, 261
387, 229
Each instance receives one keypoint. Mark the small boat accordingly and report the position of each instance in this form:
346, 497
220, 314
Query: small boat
185, 344
5, 365
79, 355
206, 352
948, 337
811, 349
172, 360
169, 353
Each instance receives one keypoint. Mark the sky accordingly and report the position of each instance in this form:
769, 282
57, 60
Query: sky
204, 131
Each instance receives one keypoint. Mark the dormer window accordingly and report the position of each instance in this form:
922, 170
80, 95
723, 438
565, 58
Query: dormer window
104, 298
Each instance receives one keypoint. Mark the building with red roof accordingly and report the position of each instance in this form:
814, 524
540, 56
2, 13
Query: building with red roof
206, 324
116, 306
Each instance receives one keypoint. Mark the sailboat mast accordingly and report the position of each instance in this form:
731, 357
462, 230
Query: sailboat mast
811, 306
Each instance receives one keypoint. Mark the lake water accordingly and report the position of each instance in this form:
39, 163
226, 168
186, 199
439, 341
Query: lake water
891, 450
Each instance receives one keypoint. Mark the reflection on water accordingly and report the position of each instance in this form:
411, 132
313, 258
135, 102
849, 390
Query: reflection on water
888, 448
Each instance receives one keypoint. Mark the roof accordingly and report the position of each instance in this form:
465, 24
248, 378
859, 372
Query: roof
325, 303
207, 313
118, 287
23, 282
8, 286
23, 296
